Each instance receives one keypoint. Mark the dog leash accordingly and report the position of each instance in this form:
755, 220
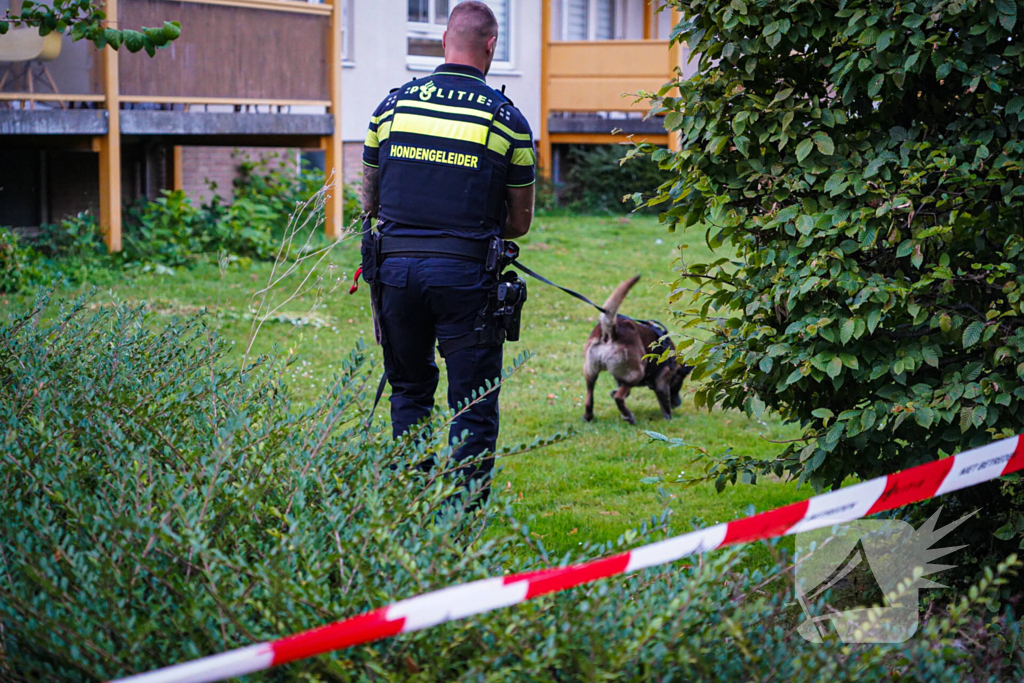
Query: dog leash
537, 276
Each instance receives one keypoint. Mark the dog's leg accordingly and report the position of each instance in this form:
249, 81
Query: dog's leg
590, 374
664, 400
620, 397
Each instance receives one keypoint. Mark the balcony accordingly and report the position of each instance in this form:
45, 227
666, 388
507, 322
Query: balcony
588, 86
246, 72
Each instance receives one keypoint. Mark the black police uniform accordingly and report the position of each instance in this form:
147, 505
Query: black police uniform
448, 146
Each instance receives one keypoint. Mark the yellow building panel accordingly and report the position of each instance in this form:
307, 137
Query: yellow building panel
636, 59
601, 94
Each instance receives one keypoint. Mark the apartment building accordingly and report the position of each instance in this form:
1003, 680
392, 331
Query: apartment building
82, 128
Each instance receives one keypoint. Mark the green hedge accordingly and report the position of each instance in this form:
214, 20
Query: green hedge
161, 504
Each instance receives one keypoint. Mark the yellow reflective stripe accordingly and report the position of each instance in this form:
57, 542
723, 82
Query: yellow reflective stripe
498, 144
371, 139
523, 157
439, 128
378, 119
384, 132
446, 109
508, 131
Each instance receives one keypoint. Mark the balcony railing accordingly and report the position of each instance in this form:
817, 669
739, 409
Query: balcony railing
595, 76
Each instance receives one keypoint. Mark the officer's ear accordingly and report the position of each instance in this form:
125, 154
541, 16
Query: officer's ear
492, 45
444, 41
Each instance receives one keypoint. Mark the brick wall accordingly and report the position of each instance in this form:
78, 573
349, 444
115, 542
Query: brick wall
352, 162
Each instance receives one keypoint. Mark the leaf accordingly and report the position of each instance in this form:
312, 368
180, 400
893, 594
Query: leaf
757, 407
931, 357
978, 416
884, 40
824, 144
1015, 105
823, 413
945, 322
875, 86
846, 331
944, 70
742, 145
656, 436
803, 149
924, 417
965, 418
874, 317
835, 366
972, 335
783, 94
133, 40
905, 248
172, 29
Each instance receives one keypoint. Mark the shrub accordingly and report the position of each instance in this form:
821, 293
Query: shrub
12, 262
168, 230
281, 186
161, 503
859, 164
599, 181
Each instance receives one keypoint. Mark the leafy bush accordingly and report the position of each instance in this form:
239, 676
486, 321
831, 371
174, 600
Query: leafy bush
168, 230
161, 504
277, 183
72, 251
599, 181
859, 163
12, 262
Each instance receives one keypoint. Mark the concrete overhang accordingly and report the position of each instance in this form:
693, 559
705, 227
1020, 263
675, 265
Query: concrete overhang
599, 125
182, 124
72, 122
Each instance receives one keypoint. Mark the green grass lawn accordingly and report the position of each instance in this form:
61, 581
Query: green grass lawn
587, 488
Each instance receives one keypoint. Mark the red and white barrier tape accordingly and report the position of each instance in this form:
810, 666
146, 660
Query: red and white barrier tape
457, 602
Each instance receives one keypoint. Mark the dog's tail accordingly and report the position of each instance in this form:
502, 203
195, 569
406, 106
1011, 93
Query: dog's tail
611, 307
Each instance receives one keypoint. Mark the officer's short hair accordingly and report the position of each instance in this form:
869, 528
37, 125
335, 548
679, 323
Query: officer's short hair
473, 21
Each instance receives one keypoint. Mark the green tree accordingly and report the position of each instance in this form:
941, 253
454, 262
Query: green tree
85, 19
858, 164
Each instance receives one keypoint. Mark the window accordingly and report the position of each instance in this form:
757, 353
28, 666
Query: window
588, 19
347, 49
427, 20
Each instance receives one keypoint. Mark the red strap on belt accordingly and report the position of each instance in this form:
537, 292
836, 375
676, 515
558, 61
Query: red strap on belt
355, 281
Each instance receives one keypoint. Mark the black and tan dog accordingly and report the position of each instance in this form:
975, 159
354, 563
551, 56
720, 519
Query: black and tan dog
618, 345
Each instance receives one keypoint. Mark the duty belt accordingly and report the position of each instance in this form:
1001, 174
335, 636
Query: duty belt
451, 247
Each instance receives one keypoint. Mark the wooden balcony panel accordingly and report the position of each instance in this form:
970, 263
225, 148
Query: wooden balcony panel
595, 75
611, 59
228, 52
600, 94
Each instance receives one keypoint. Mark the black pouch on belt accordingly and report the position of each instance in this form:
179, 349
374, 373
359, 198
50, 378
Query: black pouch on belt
370, 251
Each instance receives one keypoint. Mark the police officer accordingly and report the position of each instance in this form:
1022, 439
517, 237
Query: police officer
448, 167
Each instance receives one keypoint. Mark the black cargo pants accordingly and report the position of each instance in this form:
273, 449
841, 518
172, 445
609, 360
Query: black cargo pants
424, 301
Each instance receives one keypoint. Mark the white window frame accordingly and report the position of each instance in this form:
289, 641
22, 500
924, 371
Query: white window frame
348, 51
430, 29
617, 28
